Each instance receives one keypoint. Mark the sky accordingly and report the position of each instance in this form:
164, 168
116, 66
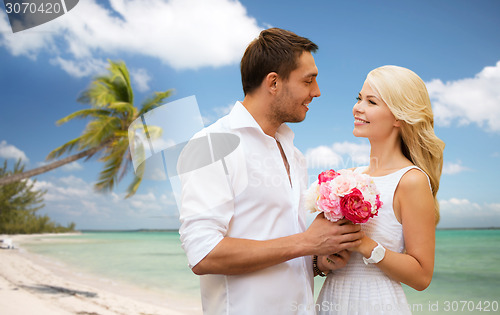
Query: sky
194, 47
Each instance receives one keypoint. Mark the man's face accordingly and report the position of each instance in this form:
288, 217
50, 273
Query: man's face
295, 94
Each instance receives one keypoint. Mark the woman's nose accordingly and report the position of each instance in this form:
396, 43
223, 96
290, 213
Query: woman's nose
358, 108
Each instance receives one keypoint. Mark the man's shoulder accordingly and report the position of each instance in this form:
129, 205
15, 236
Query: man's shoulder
221, 125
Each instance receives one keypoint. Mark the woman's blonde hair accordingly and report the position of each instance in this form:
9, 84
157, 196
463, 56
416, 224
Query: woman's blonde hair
406, 96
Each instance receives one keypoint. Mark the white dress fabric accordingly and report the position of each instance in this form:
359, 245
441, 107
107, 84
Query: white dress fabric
365, 289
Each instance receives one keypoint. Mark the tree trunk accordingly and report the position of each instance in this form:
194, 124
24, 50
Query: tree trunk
40, 170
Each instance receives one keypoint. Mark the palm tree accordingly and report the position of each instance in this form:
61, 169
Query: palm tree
111, 112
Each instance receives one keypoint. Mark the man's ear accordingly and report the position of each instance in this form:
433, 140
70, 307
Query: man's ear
271, 82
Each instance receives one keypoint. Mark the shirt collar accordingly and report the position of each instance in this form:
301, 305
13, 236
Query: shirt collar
239, 117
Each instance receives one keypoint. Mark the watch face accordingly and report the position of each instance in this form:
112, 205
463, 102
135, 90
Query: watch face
378, 253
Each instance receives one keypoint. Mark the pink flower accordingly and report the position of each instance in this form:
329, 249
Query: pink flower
378, 203
334, 215
343, 184
344, 194
355, 208
327, 176
326, 201
329, 203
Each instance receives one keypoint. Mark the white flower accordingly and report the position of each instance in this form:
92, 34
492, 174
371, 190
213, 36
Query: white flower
311, 195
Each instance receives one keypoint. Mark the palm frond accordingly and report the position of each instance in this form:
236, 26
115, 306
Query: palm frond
115, 158
109, 88
122, 107
132, 188
84, 113
154, 101
67, 147
100, 93
108, 176
155, 132
121, 134
127, 111
120, 73
126, 166
116, 150
99, 131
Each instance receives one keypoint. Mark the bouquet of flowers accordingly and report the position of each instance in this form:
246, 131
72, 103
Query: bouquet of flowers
344, 194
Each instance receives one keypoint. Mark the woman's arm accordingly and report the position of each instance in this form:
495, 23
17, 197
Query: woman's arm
414, 203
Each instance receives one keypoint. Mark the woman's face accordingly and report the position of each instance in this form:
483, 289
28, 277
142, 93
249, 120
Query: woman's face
372, 117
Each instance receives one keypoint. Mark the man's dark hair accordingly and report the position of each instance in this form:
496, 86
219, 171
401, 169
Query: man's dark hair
275, 50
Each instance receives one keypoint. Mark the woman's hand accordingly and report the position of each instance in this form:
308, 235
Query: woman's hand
334, 261
366, 247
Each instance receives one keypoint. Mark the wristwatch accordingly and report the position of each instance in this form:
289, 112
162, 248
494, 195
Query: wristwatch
378, 254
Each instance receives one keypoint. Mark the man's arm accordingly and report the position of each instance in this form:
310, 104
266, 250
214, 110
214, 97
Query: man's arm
237, 256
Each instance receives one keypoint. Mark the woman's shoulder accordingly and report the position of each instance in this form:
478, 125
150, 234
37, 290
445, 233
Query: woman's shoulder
414, 178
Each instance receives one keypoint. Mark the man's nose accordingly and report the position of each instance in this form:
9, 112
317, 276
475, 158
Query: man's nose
316, 92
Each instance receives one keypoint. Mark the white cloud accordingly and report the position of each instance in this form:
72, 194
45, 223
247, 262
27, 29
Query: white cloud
27, 44
339, 155
458, 204
69, 188
468, 101
456, 212
72, 199
141, 79
8, 151
73, 166
80, 68
185, 34
216, 113
450, 168
322, 157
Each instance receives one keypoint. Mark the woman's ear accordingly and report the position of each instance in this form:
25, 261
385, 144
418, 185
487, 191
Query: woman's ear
397, 123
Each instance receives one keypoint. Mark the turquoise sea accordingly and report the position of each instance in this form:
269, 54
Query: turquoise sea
466, 277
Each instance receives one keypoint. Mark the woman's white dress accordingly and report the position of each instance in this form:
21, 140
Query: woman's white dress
365, 289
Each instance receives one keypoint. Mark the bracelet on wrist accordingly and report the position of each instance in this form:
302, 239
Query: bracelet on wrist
315, 267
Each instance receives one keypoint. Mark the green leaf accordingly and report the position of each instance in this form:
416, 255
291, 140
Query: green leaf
155, 101
84, 113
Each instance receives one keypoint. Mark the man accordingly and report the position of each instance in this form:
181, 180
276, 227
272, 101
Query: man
243, 223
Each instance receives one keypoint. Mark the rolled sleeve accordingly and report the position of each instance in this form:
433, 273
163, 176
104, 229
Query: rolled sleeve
199, 236
206, 210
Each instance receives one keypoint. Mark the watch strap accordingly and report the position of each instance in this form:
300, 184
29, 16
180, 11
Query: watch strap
372, 259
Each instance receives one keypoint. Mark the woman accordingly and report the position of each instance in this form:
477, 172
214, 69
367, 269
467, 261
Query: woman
394, 112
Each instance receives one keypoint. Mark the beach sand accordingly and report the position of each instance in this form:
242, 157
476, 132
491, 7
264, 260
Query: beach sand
31, 286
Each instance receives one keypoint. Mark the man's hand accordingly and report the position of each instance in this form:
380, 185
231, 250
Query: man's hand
324, 237
234, 256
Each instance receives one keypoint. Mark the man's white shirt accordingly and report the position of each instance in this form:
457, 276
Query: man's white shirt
248, 194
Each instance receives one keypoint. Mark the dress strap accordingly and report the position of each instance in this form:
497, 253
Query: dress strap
400, 172
408, 168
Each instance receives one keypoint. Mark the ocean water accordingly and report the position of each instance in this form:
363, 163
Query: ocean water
466, 276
